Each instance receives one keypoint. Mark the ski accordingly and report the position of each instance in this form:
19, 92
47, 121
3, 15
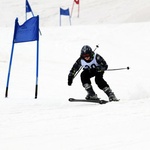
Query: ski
100, 101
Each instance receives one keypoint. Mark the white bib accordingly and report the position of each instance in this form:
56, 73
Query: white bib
91, 64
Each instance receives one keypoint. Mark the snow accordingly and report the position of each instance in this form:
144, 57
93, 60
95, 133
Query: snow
121, 28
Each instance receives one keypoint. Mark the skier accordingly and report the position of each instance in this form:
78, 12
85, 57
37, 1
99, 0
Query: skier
93, 66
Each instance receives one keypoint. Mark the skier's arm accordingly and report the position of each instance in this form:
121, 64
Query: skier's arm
102, 63
76, 66
73, 71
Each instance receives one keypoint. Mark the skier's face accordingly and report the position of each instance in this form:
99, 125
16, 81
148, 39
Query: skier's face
87, 58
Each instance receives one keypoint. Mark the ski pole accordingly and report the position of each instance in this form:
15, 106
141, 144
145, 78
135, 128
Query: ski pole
97, 46
118, 69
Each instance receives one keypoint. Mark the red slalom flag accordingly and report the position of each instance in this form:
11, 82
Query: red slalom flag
76, 1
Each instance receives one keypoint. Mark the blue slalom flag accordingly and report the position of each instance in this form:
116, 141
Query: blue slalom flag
64, 12
29, 31
28, 8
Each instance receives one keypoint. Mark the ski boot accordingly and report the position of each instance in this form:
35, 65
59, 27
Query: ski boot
110, 94
91, 94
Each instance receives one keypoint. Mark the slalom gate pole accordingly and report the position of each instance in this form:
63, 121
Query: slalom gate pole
97, 46
127, 68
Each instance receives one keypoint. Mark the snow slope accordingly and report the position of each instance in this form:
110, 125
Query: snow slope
91, 11
51, 122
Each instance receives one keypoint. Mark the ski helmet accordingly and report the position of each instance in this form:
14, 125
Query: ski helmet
86, 51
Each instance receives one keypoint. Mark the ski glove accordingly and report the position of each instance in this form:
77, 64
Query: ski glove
101, 68
70, 78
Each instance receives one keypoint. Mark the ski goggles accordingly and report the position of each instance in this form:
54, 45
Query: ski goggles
85, 55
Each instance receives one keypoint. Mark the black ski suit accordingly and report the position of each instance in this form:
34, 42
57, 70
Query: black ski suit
94, 68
